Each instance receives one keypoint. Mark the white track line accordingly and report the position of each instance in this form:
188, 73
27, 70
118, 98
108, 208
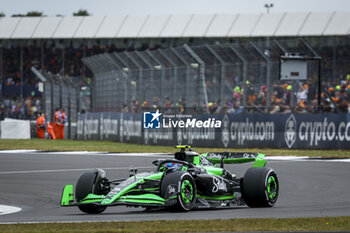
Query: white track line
30, 152
167, 155
67, 170
17, 151
6, 209
290, 158
304, 158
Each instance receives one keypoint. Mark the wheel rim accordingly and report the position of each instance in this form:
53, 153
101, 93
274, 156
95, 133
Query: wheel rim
272, 187
187, 191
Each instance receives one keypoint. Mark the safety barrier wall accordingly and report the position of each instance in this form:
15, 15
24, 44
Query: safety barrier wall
15, 129
295, 131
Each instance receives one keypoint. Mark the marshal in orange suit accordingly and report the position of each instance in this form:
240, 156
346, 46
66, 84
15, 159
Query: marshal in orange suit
40, 125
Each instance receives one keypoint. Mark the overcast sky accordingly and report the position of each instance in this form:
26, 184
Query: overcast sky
158, 7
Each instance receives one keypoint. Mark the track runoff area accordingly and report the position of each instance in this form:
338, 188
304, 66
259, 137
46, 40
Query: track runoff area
31, 184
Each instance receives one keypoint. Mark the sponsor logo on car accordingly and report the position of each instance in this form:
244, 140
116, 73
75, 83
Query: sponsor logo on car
171, 189
219, 184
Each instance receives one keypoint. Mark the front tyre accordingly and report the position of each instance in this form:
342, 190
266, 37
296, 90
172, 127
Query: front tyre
89, 182
187, 195
260, 187
186, 190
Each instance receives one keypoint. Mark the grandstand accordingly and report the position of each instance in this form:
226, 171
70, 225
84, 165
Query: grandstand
120, 52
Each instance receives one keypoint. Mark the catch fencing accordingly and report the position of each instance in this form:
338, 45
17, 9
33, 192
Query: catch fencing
193, 77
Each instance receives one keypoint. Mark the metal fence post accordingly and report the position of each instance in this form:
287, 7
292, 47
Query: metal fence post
126, 74
96, 68
162, 68
71, 96
140, 87
245, 73
222, 71
319, 59
201, 75
174, 73
183, 60
43, 80
268, 73
147, 62
21, 69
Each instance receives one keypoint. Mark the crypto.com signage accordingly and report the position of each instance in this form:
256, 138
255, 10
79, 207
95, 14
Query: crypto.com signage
326, 131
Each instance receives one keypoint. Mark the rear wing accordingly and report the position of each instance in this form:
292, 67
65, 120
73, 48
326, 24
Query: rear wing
235, 157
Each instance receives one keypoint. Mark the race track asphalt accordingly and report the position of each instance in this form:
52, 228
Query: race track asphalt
33, 181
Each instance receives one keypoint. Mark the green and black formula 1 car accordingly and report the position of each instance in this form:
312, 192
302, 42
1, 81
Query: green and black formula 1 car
188, 181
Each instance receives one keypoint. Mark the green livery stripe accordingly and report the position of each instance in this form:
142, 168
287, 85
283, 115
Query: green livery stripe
173, 197
145, 198
259, 160
259, 163
140, 201
156, 176
196, 160
260, 156
67, 195
231, 161
213, 170
90, 201
217, 197
113, 198
92, 198
147, 189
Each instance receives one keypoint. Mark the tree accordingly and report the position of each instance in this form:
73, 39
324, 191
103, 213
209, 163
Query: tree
81, 12
34, 13
18, 15
2, 14
29, 14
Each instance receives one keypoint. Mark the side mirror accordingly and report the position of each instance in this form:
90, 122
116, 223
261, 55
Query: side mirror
226, 153
155, 163
133, 170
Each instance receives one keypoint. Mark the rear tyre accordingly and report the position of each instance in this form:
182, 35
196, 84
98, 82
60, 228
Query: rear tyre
185, 186
260, 187
89, 182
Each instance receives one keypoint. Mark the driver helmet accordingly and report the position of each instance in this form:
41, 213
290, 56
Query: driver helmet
174, 165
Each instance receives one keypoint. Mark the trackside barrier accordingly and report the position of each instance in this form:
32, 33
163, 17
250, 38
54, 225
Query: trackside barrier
15, 129
296, 131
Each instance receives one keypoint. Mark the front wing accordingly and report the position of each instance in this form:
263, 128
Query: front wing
148, 199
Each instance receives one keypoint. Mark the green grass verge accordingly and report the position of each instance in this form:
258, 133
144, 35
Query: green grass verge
229, 225
108, 146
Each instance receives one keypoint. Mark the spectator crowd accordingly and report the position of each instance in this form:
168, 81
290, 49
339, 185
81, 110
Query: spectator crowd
335, 98
65, 57
15, 107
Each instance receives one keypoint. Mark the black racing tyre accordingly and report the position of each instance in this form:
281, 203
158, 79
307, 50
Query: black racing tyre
260, 187
87, 184
185, 186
